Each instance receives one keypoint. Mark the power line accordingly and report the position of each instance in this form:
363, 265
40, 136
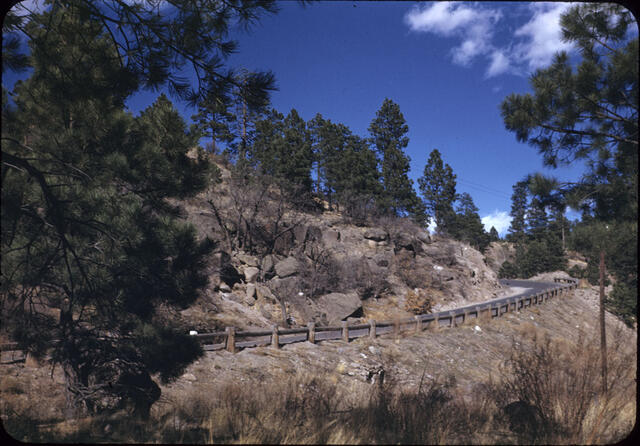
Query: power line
482, 188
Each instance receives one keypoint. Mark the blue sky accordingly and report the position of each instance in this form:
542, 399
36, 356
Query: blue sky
448, 65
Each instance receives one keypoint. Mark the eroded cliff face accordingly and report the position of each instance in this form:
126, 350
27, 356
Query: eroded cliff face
499, 252
278, 265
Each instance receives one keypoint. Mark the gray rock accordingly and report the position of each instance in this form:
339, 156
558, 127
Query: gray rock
424, 237
224, 287
247, 259
375, 234
287, 267
262, 292
330, 237
268, 263
339, 306
251, 292
189, 376
251, 274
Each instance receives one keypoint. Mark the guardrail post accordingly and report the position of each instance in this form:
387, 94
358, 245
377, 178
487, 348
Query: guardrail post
231, 339
345, 331
312, 332
465, 318
275, 337
418, 324
372, 328
436, 323
453, 319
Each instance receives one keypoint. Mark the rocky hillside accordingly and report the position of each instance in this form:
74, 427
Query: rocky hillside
278, 265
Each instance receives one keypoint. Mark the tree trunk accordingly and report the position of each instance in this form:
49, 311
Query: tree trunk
603, 339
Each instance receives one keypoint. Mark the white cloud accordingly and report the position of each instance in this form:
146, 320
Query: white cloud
499, 220
453, 19
499, 64
531, 46
441, 18
542, 35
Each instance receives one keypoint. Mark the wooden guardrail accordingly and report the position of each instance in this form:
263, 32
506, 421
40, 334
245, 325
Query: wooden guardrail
232, 340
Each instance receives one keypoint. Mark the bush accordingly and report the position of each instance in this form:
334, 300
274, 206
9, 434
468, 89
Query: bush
418, 302
508, 271
561, 388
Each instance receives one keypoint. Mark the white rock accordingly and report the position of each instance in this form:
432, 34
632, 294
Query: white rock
438, 267
193, 332
373, 350
476, 328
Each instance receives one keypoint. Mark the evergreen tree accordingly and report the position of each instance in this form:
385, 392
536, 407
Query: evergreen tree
214, 120
493, 235
355, 173
282, 149
590, 112
156, 42
91, 248
468, 225
517, 228
438, 187
388, 134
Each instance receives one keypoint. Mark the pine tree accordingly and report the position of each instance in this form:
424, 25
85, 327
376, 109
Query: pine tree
438, 187
468, 225
493, 234
517, 228
589, 111
91, 248
282, 149
388, 135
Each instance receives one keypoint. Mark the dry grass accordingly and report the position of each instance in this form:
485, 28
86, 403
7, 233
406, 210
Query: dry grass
556, 382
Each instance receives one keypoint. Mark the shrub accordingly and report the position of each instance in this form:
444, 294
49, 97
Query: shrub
561, 387
418, 302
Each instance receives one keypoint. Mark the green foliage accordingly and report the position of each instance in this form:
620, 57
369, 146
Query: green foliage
468, 226
519, 205
282, 149
155, 42
438, 187
388, 135
91, 246
618, 240
493, 235
508, 271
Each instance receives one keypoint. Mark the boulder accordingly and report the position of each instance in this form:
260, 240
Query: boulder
424, 237
375, 234
339, 306
284, 288
251, 292
247, 259
263, 292
287, 267
251, 274
267, 265
330, 237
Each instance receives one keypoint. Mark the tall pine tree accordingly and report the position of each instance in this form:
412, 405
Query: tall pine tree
438, 187
388, 133
91, 247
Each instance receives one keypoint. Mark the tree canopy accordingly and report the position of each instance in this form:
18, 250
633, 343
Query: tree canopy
93, 255
587, 109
